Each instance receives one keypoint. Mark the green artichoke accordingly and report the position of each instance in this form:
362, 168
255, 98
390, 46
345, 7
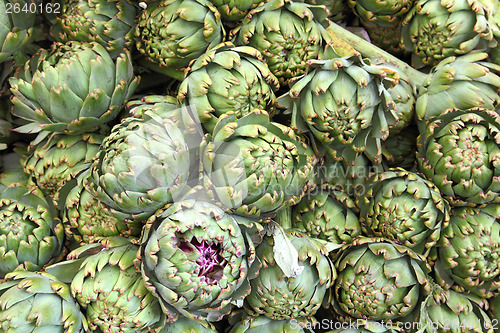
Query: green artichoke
262, 323
460, 153
462, 83
38, 302
16, 28
145, 162
405, 208
228, 79
86, 218
282, 296
30, 230
198, 260
469, 251
400, 150
72, 88
256, 167
172, 33
436, 29
288, 34
350, 106
112, 291
108, 23
338, 9
327, 215
235, 10
449, 311
186, 325
379, 280
495, 312
56, 160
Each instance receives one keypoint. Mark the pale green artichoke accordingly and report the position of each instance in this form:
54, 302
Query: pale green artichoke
228, 79
198, 260
38, 302
256, 167
108, 23
72, 88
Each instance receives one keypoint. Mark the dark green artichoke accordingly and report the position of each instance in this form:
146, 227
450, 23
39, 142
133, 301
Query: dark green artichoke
436, 29
256, 167
108, 23
460, 153
228, 79
495, 312
172, 33
31, 233
38, 302
350, 106
112, 291
379, 280
198, 260
327, 215
289, 34
405, 208
280, 295
399, 150
72, 88
469, 252
59, 158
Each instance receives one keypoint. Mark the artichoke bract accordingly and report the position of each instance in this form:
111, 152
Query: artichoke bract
446, 310
460, 153
228, 79
108, 23
59, 158
254, 166
235, 10
469, 252
281, 297
72, 88
350, 106
379, 280
172, 33
198, 260
287, 33
31, 233
327, 215
405, 208
112, 291
38, 302
145, 162
436, 29
462, 83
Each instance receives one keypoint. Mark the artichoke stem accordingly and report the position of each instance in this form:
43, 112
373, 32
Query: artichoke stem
369, 50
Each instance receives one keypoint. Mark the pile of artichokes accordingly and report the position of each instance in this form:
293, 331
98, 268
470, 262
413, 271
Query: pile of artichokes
271, 166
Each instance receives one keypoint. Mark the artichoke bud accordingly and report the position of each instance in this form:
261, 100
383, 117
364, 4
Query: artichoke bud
211, 260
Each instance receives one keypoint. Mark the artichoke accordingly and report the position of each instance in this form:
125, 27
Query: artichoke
198, 260
38, 302
108, 23
460, 153
436, 29
469, 252
262, 323
186, 325
462, 83
449, 311
405, 208
338, 9
379, 280
235, 10
228, 79
144, 163
327, 215
495, 312
400, 150
282, 296
72, 88
112, 291
31, 233
288, 34
256, 167
350, 106
172, 33
56, 160
86, 218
